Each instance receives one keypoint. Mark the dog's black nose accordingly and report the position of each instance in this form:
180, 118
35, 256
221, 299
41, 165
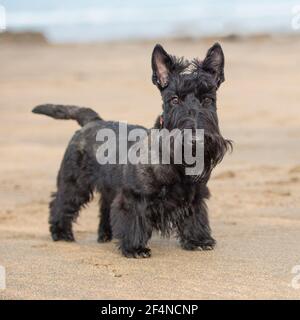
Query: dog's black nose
187, 122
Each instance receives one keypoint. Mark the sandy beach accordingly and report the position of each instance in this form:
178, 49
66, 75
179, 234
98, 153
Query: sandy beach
255, 203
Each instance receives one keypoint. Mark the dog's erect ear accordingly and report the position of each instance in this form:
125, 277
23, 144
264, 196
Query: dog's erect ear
214, 63
161, 66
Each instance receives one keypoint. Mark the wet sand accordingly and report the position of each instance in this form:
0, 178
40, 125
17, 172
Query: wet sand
255, 204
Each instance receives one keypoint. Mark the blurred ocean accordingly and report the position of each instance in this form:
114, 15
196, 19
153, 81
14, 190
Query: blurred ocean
91, 20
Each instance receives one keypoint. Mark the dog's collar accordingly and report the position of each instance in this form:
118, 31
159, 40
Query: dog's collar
161, 120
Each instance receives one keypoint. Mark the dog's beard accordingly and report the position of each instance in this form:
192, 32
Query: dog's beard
215, 147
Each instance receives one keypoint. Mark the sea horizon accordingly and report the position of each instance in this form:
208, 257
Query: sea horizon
91, 20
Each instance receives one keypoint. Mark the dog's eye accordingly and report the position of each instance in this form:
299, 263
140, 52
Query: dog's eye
174, 100
207, 101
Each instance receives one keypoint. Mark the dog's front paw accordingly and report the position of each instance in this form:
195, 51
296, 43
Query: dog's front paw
205, 244
60, 234
137, 253
104, 237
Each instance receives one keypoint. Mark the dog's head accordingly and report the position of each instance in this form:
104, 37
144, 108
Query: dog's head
189, 94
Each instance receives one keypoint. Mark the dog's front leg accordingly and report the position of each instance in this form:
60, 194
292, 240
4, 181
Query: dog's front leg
131, 226
194, 231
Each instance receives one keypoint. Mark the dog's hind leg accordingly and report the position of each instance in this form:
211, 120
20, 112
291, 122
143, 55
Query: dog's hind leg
73, 191
104, 230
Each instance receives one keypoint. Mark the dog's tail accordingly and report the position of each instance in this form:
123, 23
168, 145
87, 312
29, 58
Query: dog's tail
58, 111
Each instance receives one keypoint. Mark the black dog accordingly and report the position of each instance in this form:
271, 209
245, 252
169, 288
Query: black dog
137, 199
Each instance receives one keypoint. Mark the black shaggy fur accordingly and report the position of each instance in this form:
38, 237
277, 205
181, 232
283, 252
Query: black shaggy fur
137, 199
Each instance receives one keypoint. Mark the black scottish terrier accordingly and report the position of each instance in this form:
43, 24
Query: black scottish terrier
137, 199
